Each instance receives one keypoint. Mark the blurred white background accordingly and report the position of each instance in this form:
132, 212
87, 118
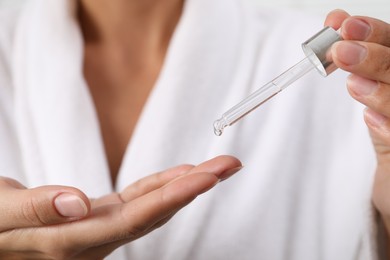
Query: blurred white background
376, 8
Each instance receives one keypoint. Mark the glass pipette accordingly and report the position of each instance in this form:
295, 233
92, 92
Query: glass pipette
315, 49
261, 95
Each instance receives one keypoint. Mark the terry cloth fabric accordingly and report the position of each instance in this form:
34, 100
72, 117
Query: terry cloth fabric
305, 190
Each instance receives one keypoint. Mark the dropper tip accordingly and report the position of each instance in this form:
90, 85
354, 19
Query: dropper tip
218, 127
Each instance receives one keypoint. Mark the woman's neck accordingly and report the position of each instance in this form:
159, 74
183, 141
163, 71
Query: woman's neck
125, 43
133, 23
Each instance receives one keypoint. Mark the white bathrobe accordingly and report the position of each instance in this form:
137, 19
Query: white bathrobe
304, 192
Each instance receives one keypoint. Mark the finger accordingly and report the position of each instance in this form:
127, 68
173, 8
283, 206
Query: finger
131, 220
361, 28
8, 183
153, 182
138, 217
368, 60
335, 18
380, 194
39, 206
222, 166
106, 249
371, 93
379, 126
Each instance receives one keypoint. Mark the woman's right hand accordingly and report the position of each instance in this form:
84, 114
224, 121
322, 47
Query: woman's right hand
56, 222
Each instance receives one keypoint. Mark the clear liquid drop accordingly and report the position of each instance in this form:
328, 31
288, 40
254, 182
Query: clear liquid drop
218, 127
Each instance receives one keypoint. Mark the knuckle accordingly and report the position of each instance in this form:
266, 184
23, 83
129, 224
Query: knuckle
376, 64
381, 57
381, 99
138, 185
385, 64
29, 213
185, 167
381, 32
34, 213
147, 184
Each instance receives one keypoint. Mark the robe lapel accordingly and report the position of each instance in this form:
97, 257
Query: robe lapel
57, 125
203, 55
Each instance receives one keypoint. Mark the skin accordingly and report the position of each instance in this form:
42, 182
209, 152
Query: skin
57, 222
125, 47
365, 53
42, 233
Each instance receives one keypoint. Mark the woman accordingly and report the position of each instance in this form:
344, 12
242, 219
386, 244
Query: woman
98, 94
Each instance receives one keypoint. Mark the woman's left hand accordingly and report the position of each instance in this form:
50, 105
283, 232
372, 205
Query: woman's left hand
365, 53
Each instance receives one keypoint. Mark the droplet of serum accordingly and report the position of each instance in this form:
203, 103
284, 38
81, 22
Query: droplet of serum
219, 126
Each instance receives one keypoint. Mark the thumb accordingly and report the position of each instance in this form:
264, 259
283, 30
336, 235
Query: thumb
41, 206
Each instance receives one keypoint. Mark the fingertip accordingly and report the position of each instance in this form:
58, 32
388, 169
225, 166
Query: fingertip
348, 55
355, 28
42, 206
71, 206
232, 164
333, 52
373, 119
335, 18
221, 166
228, 160
67, 203
229, 173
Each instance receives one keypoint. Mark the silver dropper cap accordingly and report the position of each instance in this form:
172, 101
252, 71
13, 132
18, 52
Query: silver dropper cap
316, 49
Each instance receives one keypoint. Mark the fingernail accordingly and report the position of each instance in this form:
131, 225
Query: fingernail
356, 29
373, 118
349, 53
361, 86
70, 205
227, 174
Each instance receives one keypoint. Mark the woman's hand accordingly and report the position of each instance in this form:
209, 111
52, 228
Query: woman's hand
366, 54
54, 222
